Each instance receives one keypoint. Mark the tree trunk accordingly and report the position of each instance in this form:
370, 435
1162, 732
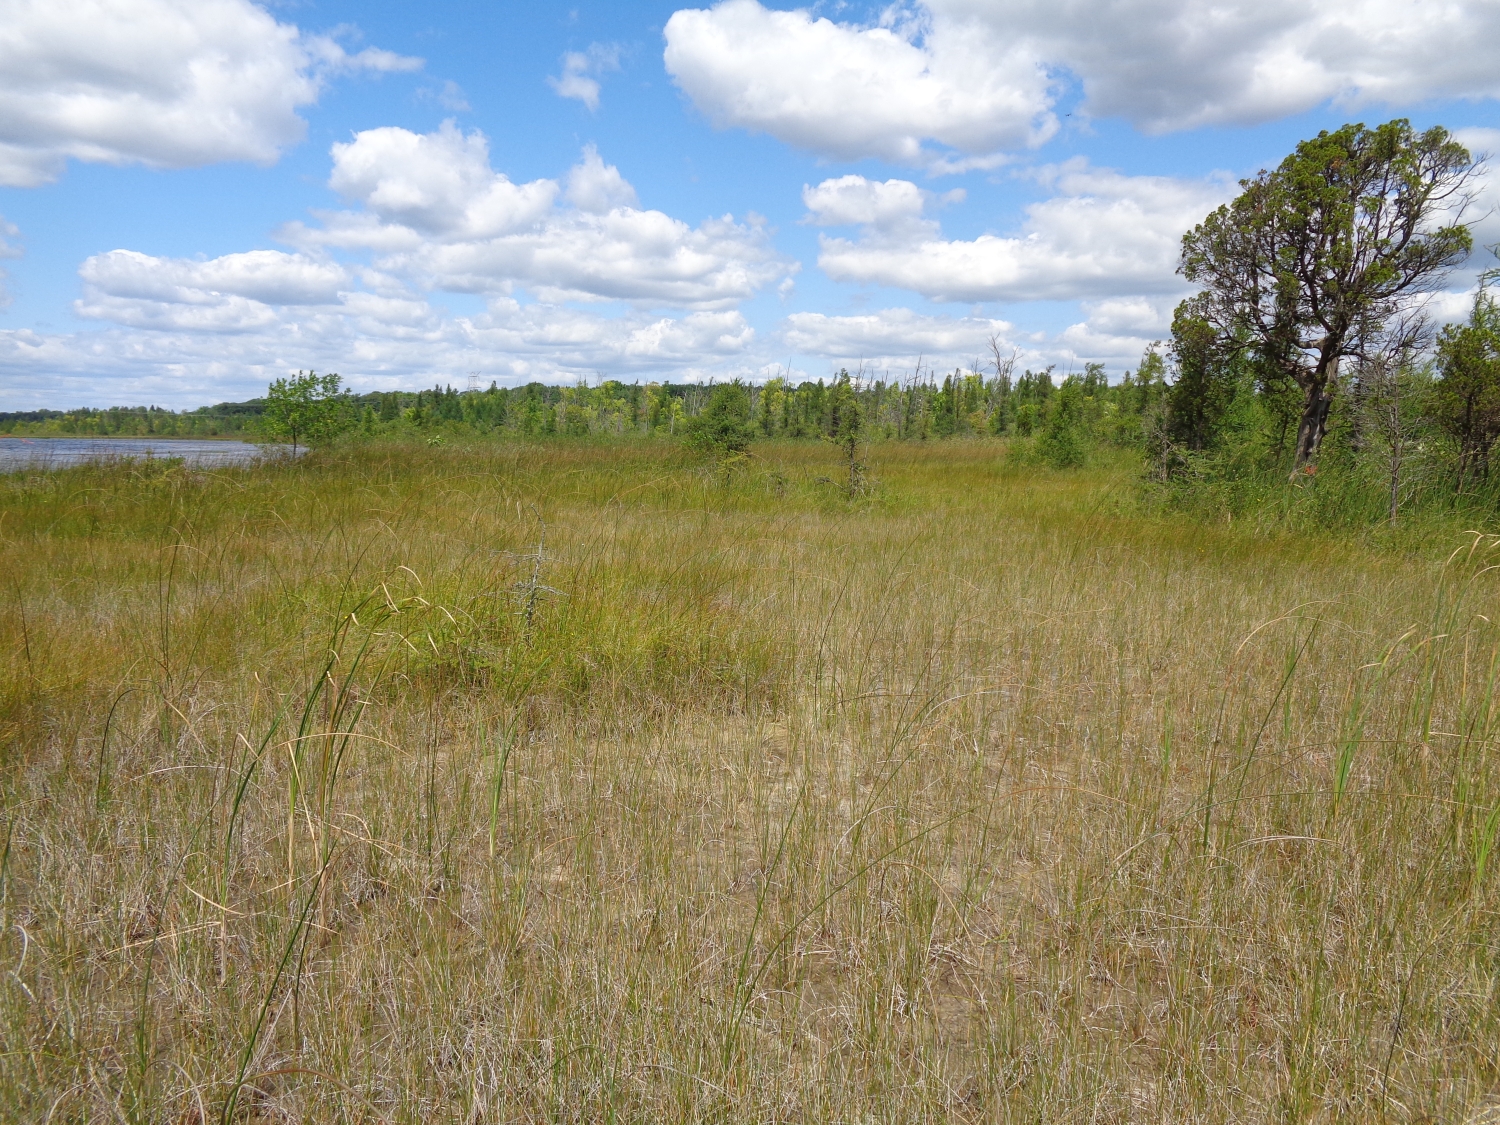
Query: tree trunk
1314, 425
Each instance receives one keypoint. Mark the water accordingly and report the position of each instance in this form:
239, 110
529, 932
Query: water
55, 453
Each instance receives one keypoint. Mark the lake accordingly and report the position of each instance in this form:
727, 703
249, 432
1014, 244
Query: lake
54, 453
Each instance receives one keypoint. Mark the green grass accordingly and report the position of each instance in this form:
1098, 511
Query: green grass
992, 796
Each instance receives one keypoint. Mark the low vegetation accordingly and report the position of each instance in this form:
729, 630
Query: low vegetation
581, 781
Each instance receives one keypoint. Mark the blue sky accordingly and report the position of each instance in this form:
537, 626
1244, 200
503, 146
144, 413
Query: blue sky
197, 196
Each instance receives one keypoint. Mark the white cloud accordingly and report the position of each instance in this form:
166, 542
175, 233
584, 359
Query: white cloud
438, 184
982, 76
1101, 234
579, 340
183, 331
1483, 215
229, 294
598, 187
215, 314
899, 343
849, 92
581, 71
641, 256
183, 355
893, 338
165, 83
443, 217
1139, 317
261, 275
1177, 64
851, 200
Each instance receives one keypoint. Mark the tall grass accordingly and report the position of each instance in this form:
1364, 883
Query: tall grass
984, 797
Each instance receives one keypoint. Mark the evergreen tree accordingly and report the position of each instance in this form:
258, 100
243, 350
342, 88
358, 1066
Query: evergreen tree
1466, 398
723, 427
1205, 381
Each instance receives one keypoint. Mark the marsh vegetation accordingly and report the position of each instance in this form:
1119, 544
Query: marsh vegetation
581, 781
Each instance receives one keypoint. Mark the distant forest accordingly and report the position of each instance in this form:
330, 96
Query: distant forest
961, 403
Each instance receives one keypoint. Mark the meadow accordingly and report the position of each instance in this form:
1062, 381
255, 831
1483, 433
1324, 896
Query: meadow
583, 781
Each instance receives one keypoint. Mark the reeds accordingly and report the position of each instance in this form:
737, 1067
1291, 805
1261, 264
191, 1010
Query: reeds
987, 797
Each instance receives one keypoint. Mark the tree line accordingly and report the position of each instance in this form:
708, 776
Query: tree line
981, 400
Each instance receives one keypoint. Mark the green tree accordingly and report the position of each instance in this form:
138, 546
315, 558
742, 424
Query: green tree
723, 426
772, 406
306, 407
1061, 443
1466, 397
846, 425
1206, 379
1312, 260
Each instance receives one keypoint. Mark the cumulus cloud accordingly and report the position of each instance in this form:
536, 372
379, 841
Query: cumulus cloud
899, 342
1137, 317
851, 200
978, 77
269, 276
437, 184
1178, 64
441, 215
165, 83
581, 71
640, 256
847, 91
598, 187
234, 293
1101, 234
182, 356
896, 337
433, 215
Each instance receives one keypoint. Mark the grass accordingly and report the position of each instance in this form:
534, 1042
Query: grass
989, 797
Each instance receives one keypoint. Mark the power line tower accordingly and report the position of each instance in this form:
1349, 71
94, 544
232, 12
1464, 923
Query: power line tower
473, 381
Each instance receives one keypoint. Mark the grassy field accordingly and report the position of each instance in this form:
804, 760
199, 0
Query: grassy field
583, 783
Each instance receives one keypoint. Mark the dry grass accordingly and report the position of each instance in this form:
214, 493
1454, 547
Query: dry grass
983, 800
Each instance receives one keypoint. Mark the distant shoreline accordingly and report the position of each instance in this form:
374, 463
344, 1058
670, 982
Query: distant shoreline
164, 438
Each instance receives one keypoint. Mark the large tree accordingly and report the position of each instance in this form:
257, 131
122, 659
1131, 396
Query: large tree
1312, 261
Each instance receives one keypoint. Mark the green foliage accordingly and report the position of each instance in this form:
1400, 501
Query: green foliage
1062, 443
305, 407
1207, 379
1312, 262
1466, 399
846, 426
723, 429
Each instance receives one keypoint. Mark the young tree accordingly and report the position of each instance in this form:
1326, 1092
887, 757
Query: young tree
305, 407
723, 426
1466, 398
1061, 443
846, 421
1310, 261
1387, 408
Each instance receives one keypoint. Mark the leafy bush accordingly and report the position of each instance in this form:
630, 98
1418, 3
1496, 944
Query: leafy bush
723, 428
